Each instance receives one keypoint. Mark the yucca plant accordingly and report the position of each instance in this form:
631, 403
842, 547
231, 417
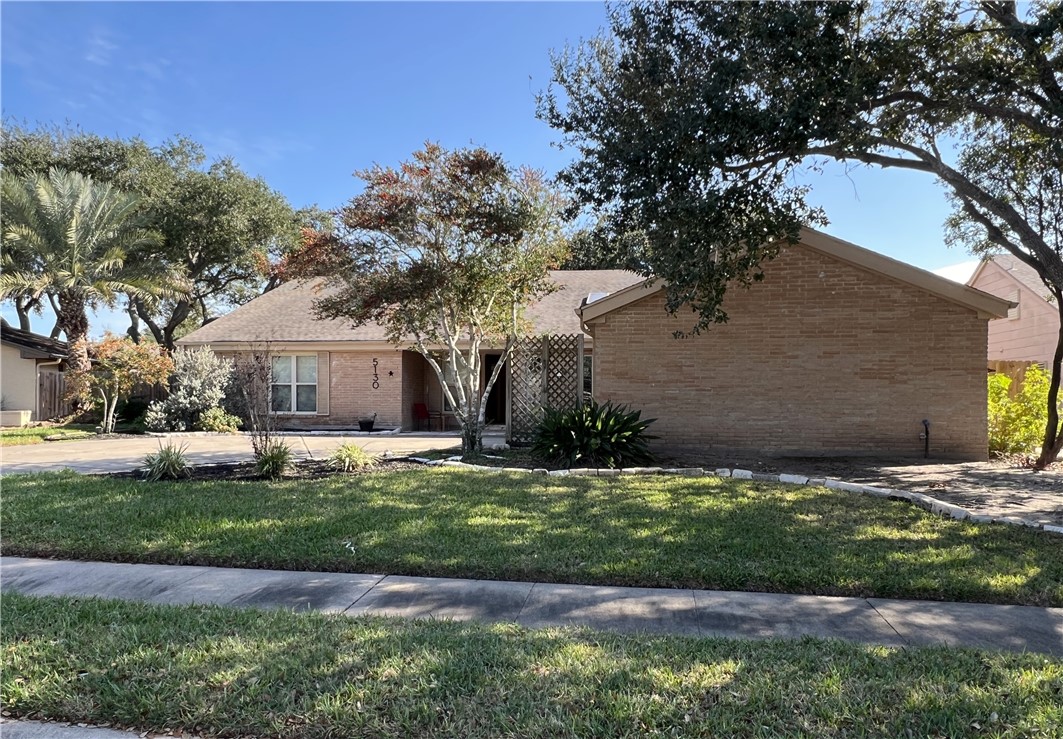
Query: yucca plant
276, 459
349, 457
594, 435
168, 463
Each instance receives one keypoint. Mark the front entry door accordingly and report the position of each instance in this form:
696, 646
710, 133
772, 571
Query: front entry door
496, 401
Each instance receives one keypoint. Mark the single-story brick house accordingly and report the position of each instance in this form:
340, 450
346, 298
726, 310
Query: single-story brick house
329, 374
839, 350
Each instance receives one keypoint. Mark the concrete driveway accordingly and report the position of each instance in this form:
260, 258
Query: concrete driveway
122, 453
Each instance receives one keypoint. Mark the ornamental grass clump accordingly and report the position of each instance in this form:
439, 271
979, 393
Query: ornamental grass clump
168, 463
594, 435
350, 457
275, 459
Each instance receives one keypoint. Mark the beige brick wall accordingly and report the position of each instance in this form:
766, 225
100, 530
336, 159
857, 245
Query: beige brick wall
820, 358
351, 391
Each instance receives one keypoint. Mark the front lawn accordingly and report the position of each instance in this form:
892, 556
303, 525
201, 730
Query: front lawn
218, 671
651, 531
37, 434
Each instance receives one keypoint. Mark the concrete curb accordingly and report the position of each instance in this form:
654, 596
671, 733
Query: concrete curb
921, 500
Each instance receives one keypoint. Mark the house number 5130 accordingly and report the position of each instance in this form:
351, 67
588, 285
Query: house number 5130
376, 377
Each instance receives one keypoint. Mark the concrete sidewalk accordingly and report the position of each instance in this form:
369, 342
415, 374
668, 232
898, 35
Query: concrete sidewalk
894, 623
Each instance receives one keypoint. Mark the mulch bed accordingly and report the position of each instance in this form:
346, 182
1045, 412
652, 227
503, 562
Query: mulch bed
306, 469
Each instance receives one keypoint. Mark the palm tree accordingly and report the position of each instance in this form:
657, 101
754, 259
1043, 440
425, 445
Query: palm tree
75, 238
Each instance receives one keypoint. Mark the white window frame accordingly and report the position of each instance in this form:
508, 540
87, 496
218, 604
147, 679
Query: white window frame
294, 385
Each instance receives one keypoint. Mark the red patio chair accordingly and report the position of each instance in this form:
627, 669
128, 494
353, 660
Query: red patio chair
420, 413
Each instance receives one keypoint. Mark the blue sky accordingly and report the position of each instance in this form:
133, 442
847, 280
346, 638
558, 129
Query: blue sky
303, 94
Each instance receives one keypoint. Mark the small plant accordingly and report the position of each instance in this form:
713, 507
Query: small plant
216, 419
594, 435
274, 460
349, 457
168, 463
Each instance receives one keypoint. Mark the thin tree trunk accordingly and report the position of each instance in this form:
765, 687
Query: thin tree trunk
23, 307
134, 322
1053, 441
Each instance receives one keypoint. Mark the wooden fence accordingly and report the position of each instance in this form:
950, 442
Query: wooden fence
51, 387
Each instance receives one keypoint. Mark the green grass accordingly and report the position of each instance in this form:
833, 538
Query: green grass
36, 434
651, 531
229, 672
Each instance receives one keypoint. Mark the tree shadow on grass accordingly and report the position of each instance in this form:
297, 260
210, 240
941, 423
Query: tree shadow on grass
702, 533
229, 672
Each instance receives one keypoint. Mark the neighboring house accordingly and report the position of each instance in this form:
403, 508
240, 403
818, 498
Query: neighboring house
839, 350
1031, 329
328, 374
30, 380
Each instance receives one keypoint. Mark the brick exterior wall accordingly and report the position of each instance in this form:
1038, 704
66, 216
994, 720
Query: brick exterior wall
821, 358
352, 395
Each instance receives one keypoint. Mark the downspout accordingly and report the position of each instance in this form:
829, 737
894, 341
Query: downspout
37, 385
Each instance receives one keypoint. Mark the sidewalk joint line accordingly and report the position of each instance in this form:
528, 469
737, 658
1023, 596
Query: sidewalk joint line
370, 589
525, 603
887, 622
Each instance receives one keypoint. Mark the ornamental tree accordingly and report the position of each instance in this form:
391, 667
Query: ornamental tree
691, 120
443, 252
118, 366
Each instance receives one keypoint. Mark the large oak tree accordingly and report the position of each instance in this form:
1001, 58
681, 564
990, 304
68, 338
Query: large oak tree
690, 120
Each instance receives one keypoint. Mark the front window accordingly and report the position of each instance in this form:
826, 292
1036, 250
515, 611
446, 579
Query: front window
294, 388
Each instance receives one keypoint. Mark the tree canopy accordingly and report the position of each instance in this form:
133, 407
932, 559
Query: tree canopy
72, 239
443, 252
691, 120
221, 229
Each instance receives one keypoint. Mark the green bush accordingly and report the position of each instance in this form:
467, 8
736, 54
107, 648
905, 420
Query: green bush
168, 463
594, 435
276, 459
350, 456
1017, 424
216, 419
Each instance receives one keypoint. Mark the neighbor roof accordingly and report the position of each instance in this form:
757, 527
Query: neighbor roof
285, 314
1018, 269
33, 346
982, 302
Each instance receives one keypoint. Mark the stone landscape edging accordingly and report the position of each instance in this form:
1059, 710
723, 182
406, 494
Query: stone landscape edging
920, 500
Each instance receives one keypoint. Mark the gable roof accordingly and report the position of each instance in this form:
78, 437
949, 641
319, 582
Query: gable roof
285, 314
33, 346
986, 305
1020, 271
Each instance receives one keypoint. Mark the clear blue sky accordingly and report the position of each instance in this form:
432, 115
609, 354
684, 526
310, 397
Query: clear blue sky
305, 93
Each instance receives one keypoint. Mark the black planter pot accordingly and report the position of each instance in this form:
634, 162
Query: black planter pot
366, 425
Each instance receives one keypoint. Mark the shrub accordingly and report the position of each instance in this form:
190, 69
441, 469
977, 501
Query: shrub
274, 460
197, 384
595, 435
132, 409
168, 463
216, 419
349, 457
1017, 423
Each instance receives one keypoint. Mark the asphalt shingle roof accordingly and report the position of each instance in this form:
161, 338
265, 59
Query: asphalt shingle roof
286, 314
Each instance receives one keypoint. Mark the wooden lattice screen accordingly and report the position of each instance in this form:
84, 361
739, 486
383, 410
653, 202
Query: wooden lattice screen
544, 372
